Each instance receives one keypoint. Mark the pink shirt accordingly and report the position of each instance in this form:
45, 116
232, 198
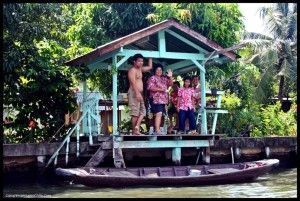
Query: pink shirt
186, 100
159, 97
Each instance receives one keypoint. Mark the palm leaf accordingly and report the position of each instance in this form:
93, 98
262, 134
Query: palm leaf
263, 89
282, 8
258, 44
274, 23
291, 32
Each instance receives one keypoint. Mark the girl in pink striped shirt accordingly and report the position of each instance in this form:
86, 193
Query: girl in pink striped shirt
185, 106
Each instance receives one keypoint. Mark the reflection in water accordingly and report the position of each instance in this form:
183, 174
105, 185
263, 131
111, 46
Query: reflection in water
281, 183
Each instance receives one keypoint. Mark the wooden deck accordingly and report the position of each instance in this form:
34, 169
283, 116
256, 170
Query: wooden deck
142, 137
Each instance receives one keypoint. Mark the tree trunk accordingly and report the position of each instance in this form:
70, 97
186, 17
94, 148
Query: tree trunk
281, 80
281, 84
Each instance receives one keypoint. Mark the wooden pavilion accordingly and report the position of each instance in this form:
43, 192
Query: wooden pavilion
174, 45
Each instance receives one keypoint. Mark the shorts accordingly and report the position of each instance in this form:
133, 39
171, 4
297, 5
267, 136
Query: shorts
137, 108
156, 108
172, 110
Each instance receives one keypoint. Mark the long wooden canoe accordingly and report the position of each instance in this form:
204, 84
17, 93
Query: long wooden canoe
170, 175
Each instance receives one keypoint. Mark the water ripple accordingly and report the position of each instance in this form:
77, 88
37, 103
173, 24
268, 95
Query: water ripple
279, 184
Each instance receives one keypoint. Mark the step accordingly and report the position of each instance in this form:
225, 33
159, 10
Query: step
103, 138
94, 147
86, 155
97, 158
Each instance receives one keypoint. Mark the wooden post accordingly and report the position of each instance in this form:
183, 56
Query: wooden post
206, 155
176, 155
237, 152
267, 152
41, 161
216, 114
67, 150
90, 126
203, 96
203, 103
77, 141
232, 155
115, 96
161, 43
84, 97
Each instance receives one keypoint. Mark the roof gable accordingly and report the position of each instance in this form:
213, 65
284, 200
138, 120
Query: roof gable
174, 29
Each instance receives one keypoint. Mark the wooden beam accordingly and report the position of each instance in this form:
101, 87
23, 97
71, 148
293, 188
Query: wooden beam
95, 63
99, 66
199, 65
131, 38
115, 97
161, 43
122, 61
185, 69
163, 144
168, 55
203, 103
180, 64
215, 53
197, 47
234, 47
113, 45
203, 39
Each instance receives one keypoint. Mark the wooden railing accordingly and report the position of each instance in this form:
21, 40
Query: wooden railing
215, 110
66, 141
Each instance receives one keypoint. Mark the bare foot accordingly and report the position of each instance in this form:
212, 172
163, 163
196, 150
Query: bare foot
156, 133
194, 132
136, 131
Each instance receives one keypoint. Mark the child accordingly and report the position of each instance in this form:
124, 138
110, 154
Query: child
172, 111
185, 106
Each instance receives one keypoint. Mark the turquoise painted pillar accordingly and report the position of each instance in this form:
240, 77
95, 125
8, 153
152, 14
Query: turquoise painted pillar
216, 115
115, 95
161, 43
203, 103
84, 109
203, 96
176, 155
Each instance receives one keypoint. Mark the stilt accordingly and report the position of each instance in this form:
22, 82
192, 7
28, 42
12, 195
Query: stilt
232, 155
267, 151
206, 155
118, 158
176, 155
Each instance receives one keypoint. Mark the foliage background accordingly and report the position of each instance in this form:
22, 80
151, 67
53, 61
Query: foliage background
39, 38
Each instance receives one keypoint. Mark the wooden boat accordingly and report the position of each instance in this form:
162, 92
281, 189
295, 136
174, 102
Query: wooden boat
169, 176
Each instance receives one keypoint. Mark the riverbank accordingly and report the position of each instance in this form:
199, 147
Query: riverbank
33, 157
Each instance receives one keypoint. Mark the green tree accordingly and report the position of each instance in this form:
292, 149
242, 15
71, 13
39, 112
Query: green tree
221, 22
276, 55
35, 82
121, 19
115, 20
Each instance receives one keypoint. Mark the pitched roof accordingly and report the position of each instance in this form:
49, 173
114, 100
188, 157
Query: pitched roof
180, 28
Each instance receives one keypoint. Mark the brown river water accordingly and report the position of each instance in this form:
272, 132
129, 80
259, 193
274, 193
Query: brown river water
280, 183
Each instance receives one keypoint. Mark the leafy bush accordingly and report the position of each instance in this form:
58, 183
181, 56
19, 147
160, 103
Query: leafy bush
258, 119
276, 122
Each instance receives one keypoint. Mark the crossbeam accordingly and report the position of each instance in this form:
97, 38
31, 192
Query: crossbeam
100, 59
98, 66
164, 144
197, 47
180, 64
167, 55
184, 69
199, 65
